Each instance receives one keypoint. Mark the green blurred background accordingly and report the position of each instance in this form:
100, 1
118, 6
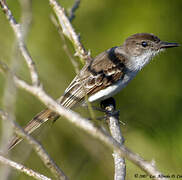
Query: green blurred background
150, 106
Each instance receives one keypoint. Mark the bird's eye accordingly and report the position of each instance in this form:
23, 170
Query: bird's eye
144, 44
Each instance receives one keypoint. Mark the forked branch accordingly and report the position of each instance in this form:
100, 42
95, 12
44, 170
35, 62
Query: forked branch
69, 31
17, 28
47, 160
73, 117
87, 126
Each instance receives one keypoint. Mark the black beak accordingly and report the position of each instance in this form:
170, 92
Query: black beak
168, 45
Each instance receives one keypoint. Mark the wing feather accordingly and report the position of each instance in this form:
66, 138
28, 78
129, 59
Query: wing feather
106, 69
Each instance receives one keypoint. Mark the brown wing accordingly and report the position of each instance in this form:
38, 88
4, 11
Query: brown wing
106, 69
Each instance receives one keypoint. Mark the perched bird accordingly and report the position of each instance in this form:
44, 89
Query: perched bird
105, 75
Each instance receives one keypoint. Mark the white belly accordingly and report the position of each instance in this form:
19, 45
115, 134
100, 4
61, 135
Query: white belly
111, 90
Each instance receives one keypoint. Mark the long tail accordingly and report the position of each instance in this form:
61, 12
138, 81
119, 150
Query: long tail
35, 123
72, 96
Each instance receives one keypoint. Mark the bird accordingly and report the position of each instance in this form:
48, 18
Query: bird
103, 76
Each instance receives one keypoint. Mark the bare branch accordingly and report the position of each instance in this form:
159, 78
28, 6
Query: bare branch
73, 10
69, 31
113, 120
65, 47
8, 101
53, 105
23, 169
86, 125
10, 90
20, 38
48, 161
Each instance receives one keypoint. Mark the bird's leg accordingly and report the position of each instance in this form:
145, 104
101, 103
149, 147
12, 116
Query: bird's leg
99, 109
103, 108
105, 104
95, 108
109, 106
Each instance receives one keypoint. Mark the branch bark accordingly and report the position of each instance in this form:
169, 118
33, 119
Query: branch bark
86, 125
47, 160
69, 31
17, 28
23, 169
73, 117
20, 34
65, 47
10, 90
113, 120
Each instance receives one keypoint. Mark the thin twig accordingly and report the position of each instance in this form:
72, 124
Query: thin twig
86, 125
69, 31
70, 115
23, 169
20, 38
10, 90
113, 121
73, 10
48, 161
8, 101
65, 47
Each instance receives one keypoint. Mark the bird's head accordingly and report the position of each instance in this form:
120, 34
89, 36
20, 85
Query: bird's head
141, 47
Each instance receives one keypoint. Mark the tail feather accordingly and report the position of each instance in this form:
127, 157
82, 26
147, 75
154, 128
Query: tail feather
68, 100
35, 123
